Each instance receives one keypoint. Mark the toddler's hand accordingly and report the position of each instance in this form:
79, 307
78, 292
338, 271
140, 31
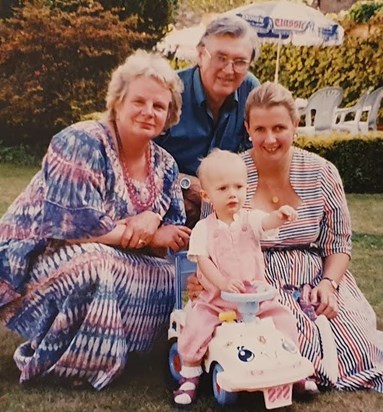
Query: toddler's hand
288, 213
234, 286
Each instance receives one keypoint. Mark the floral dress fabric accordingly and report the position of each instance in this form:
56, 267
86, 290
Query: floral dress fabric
83, 307
323, 220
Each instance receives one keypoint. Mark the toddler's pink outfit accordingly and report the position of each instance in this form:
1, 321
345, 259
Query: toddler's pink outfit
236, 252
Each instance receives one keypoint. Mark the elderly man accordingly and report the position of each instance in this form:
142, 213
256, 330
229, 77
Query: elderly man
213, 102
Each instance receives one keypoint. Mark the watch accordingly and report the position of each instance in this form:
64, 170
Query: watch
185, 183
334, 284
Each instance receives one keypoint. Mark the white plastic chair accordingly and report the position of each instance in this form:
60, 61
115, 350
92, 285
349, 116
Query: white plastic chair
349, 118
319, 114
372, 106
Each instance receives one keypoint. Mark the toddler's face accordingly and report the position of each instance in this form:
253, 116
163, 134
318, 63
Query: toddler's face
225, 188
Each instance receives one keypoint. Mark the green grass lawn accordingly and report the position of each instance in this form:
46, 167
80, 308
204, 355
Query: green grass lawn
145, 386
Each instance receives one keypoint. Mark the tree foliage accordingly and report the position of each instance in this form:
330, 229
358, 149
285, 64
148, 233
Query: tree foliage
363, 11
355, 66
153, 16
55, 66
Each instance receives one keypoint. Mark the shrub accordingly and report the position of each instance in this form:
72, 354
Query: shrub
359, 158
363, 11
55, 65
356, 66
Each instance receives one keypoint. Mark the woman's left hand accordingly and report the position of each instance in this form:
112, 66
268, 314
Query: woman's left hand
139, 230
324, 297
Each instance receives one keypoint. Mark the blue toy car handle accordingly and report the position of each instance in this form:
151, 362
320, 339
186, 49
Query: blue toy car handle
248, 303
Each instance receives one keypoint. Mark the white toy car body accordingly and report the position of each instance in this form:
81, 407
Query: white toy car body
250, 355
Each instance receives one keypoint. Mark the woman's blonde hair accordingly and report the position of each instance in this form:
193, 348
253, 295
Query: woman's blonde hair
272, 94
142, 63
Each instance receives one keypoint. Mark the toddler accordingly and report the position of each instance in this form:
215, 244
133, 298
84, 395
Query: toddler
226, 247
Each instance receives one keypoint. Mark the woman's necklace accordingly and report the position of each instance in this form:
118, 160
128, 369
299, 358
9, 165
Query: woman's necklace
270, 189
275, 199
136, 194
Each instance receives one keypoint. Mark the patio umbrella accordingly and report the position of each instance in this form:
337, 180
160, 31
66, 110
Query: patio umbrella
182, 43
285, 22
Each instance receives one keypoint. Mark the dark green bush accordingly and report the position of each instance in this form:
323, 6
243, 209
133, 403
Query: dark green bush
20, 155
359, 159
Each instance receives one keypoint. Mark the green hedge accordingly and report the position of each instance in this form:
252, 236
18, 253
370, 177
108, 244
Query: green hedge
359, 158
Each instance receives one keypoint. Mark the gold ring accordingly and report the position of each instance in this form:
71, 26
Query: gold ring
141, 242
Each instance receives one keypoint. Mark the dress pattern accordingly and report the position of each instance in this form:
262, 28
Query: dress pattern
323, 219
83, 307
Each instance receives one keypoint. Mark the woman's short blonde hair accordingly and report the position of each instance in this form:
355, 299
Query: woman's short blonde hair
272, 94
142, 63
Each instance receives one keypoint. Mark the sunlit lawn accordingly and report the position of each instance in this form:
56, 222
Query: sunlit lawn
145, 386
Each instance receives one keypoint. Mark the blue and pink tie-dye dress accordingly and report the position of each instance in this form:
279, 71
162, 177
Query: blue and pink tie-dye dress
83, 307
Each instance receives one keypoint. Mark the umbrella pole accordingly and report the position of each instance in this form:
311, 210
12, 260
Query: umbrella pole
277, 63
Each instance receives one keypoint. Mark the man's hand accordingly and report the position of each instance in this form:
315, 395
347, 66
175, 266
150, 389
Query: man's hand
192, 199
171, 236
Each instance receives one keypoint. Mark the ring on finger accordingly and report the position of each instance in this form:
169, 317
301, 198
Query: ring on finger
141, 242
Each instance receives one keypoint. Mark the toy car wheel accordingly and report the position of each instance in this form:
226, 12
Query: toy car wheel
174, 361
222, 397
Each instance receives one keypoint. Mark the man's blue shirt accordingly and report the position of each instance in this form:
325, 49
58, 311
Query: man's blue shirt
196, 134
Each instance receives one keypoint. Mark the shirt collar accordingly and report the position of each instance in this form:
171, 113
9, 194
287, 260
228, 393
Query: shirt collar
236, 221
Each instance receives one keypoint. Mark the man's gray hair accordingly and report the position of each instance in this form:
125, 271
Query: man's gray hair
233, 26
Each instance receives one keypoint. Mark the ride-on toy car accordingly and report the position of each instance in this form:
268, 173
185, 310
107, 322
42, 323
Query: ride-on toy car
249, 354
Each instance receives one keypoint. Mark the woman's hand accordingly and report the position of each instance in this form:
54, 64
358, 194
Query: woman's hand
171, 236
139, 229
324, 298
193, 286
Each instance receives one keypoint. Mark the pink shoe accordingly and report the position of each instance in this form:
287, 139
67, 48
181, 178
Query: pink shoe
187, 391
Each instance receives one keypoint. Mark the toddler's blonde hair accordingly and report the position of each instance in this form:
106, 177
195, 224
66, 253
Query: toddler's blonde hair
218, 156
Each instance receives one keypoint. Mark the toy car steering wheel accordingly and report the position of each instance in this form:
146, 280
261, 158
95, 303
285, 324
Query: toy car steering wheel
248, 302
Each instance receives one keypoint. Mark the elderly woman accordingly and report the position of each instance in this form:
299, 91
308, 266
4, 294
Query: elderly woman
313, 250
81, 273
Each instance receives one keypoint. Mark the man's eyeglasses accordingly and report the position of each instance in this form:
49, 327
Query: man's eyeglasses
220, 61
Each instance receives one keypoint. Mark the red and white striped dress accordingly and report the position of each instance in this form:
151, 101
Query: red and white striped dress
323, 219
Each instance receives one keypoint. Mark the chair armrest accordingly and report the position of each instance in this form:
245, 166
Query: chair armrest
343, 112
